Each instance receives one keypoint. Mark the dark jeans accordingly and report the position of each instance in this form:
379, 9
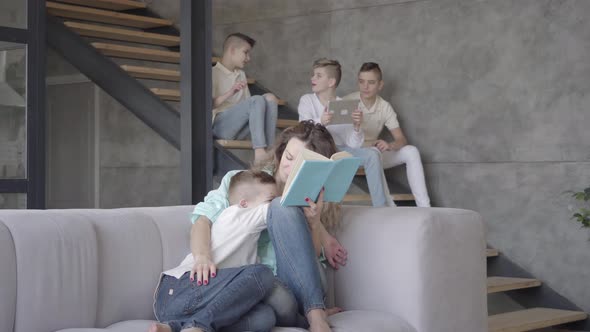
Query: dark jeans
222, 303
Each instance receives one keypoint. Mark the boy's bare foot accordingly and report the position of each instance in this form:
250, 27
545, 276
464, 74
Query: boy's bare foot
157, 327
317, 321
260, 156
332, 311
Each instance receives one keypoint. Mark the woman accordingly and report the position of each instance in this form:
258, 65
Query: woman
295, 235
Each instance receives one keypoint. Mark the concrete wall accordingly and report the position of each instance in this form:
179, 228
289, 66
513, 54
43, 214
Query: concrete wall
494, 93
99, 153
13, 13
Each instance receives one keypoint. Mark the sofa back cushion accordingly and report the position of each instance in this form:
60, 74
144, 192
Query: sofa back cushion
7, 279
56, 266
85, 268
134, 247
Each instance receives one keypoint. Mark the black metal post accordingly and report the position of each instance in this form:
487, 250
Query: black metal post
36, 55
196, 142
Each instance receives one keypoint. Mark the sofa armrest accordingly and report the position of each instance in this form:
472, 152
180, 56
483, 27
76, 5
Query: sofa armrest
426, 265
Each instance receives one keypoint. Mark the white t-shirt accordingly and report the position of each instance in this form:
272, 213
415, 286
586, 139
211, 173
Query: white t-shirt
311, 108
234, 239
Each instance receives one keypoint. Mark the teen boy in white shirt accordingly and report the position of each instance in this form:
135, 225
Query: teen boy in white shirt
378, 113
313, 106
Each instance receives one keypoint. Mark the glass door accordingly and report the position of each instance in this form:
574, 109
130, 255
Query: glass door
22, 104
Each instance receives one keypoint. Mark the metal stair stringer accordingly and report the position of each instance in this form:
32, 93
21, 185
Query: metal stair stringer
109, 76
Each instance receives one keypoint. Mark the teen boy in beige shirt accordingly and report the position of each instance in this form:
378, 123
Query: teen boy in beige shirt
378, 113
235, 112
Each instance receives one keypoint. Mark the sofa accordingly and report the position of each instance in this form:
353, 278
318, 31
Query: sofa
409, 269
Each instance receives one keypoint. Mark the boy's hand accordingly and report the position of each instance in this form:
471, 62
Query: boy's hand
382, 145
326, 117
238, 86
203, 267
357, 119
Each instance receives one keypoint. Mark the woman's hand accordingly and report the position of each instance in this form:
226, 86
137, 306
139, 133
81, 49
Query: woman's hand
357, 119
326, 117
313, 212
334, 252
203, 267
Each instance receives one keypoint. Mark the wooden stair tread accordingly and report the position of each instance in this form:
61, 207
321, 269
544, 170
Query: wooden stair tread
491, 252
158, 73
367, 197
531, 319
167, 94
285, 123
108, 4
105, 16
139, 53
235, 144
100, 31
152, 73
174, 95
502, 284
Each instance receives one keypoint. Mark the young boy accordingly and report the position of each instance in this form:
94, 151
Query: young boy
314, 106
235, 112
234, 239
378, 113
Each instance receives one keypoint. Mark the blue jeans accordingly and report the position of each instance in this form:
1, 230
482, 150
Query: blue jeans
255, 116
375, 176
283, 303
228, 297
296, 259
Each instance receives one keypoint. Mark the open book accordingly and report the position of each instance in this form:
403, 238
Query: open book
312, 171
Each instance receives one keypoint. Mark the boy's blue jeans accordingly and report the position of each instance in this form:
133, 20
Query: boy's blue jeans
222, 303
374, 174
296, 259
255, 116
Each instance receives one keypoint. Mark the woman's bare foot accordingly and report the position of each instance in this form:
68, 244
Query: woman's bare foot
157, 327
191, 329
332, 311
318, 322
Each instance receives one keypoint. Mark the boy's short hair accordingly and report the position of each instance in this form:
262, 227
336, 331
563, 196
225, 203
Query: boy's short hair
237, 36
332, 68
372, 66
249, 177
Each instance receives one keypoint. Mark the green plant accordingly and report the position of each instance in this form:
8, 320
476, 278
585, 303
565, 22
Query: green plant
582, 215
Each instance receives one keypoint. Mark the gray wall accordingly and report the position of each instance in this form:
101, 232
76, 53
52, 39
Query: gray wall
494, 93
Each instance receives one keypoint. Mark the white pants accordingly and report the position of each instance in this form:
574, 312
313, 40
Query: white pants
410, 156
374, 162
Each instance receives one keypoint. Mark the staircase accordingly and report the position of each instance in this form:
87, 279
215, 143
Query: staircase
119, 35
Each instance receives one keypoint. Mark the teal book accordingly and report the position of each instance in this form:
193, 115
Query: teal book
312, 171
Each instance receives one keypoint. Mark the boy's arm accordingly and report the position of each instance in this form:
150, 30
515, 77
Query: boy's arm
218, 100
201, 250
400, 139
356, 136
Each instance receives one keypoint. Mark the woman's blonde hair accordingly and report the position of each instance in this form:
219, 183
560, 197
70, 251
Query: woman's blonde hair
318, 139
